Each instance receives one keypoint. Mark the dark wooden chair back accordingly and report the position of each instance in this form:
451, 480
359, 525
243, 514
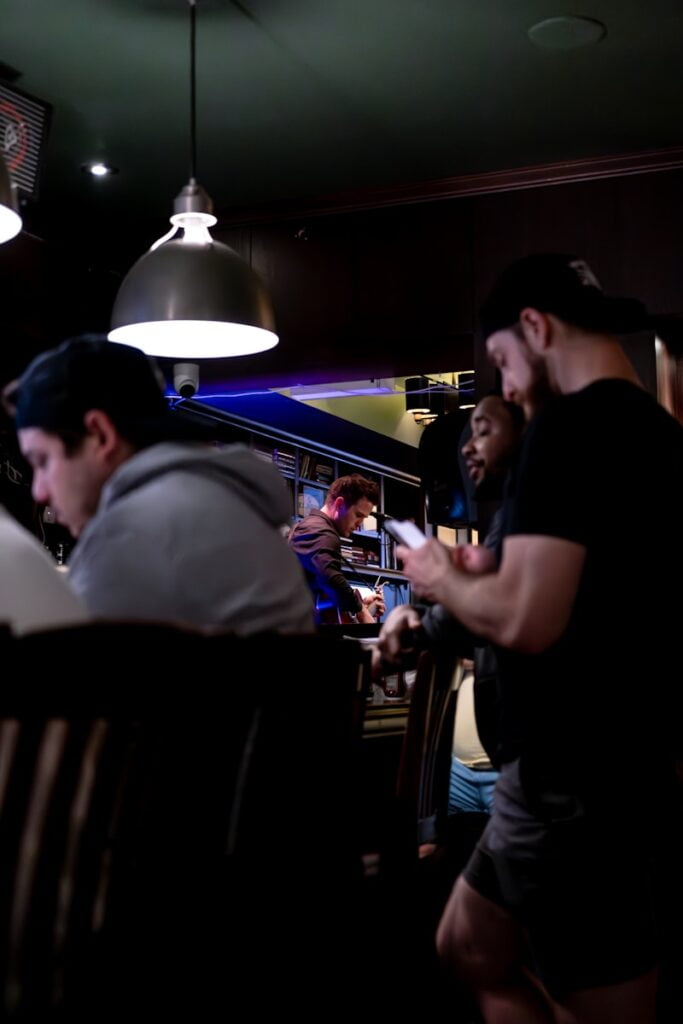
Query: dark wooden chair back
405, 893
423, 775
167, 808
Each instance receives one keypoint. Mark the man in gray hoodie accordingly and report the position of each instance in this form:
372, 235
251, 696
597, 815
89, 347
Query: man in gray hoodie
168, 529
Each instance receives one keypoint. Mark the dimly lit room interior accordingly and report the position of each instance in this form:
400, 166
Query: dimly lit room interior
363, 172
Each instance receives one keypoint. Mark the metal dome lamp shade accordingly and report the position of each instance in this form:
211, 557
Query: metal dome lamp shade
10, 221
190, 296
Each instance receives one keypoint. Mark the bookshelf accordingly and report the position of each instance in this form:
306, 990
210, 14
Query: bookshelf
309, 475
368, 552
308, 472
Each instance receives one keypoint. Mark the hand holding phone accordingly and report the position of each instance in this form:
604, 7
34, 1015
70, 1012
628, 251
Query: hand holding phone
405, 532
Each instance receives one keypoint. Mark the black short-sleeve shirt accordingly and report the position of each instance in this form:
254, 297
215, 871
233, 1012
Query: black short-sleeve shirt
602, 467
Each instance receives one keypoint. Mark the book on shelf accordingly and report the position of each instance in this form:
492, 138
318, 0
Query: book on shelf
306, 465
264, 454
324, 473
285, 461
365, 555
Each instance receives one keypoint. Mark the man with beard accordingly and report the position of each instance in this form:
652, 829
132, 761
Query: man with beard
553, 917
496, 428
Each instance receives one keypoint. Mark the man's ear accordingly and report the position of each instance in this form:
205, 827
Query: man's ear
536, 328
100, 427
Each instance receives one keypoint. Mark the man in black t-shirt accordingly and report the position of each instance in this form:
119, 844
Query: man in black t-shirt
559, 888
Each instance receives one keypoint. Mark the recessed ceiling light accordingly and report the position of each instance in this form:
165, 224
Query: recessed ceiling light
99, 169
567, 32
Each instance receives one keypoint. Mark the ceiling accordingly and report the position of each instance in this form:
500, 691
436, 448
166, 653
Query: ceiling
299, 100
304, 98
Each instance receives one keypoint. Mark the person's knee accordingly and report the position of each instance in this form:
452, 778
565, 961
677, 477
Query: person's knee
446, 941
468, 945
462, 951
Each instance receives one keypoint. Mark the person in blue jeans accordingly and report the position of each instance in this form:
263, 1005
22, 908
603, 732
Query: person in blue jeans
472, 776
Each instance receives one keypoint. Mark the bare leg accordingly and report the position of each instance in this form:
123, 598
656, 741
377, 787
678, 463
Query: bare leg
484, 945
482, 942
631, 1002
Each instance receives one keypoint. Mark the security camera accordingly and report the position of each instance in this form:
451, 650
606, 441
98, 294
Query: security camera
186, 379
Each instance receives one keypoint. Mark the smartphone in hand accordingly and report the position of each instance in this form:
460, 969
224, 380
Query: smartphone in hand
405, 532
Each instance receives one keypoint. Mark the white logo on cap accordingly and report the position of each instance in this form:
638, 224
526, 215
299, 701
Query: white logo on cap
585, 274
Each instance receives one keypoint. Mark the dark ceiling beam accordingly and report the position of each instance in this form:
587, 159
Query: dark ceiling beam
512, 180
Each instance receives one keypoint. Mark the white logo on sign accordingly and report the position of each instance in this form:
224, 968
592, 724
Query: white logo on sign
11, 137
585, 274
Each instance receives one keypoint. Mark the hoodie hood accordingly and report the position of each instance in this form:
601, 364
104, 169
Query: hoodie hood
257, 483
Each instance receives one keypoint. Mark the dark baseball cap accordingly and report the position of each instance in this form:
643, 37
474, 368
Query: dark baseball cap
565, 286
59, 387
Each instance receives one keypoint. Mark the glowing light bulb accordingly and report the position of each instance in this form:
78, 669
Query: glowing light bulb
10, 224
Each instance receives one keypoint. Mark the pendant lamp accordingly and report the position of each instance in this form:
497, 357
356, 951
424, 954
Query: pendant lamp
417, 400
425, 398
191, 297
10, 221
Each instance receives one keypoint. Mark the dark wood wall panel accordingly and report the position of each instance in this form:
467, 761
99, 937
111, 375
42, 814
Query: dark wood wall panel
414, 272
310, 273
367, 294
46, 295
396, 290
650, 215
385, 291
581, 218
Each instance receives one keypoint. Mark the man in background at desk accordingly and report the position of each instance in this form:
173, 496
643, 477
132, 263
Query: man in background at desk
317, 543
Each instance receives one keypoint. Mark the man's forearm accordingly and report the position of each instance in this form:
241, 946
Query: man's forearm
527, 604
480, 604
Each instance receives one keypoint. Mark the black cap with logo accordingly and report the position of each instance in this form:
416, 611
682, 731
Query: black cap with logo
565, 286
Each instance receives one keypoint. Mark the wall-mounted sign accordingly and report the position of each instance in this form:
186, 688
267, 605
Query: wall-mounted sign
24, 122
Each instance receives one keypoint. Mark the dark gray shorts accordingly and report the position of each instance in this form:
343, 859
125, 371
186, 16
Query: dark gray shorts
580, 886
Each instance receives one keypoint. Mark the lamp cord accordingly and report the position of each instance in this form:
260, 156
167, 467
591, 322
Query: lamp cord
193, 91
